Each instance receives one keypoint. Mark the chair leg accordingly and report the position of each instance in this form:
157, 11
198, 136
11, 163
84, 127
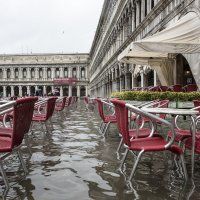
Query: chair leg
47, 130
124, 158
50, 120
42, 127
22, 161
101, 125
106, 129
184, 167
135, 165
3, 173
120, 145
27, 144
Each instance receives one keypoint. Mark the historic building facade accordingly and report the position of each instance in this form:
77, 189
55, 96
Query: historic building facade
26, 74
121, 23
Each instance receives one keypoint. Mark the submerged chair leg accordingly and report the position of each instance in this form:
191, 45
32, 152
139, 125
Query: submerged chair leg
184, 167
124, 158
47, 130
120, 145
135, 165
106, 129
27, 143
3, 173
22, 161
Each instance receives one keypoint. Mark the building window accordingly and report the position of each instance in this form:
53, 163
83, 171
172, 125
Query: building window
16, 73
1, 73
66, 73
40, 73
152, 4
145, 9
74, 73
82, 72
57, 73
48, 73
24, 73
8, 73
32, 73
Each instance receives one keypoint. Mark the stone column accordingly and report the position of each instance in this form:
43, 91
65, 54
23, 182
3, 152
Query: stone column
20, 90
78, 91
53, 73
148, 6
70, 72
70, 90
12, 90
12, 73
61, 91
20, 73
133, 17
4, 91
78, 73
28, 89
142, 10
61, 72
138, 14
37, 73
52, 88
44, 71
154, 78
28, 73
142, 77
44, 90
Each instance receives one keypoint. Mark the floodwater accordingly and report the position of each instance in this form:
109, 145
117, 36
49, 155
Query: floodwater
75, 162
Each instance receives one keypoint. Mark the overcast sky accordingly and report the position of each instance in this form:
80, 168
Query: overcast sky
48, 26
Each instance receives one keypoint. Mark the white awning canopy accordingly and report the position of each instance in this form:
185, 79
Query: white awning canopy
182, 37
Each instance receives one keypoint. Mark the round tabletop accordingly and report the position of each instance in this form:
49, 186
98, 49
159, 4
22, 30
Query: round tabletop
172, 111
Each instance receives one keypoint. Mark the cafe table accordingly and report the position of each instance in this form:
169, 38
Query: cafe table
175, 112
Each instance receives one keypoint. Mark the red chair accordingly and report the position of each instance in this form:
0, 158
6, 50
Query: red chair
176, 88
154, 89
11, 138
163, 88
60, 105
148, 144
106, 119
47, 114
190, 88
133, 133
182, 134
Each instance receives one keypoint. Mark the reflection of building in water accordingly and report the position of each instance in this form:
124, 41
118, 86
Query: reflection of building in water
22, 75
123, 22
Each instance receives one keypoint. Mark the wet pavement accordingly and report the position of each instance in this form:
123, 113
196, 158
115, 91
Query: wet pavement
75, 161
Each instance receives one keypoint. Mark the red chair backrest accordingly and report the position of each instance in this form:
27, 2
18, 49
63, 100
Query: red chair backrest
22, 117
100, 108
50, 107
191, 88
177, 88
121, 113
